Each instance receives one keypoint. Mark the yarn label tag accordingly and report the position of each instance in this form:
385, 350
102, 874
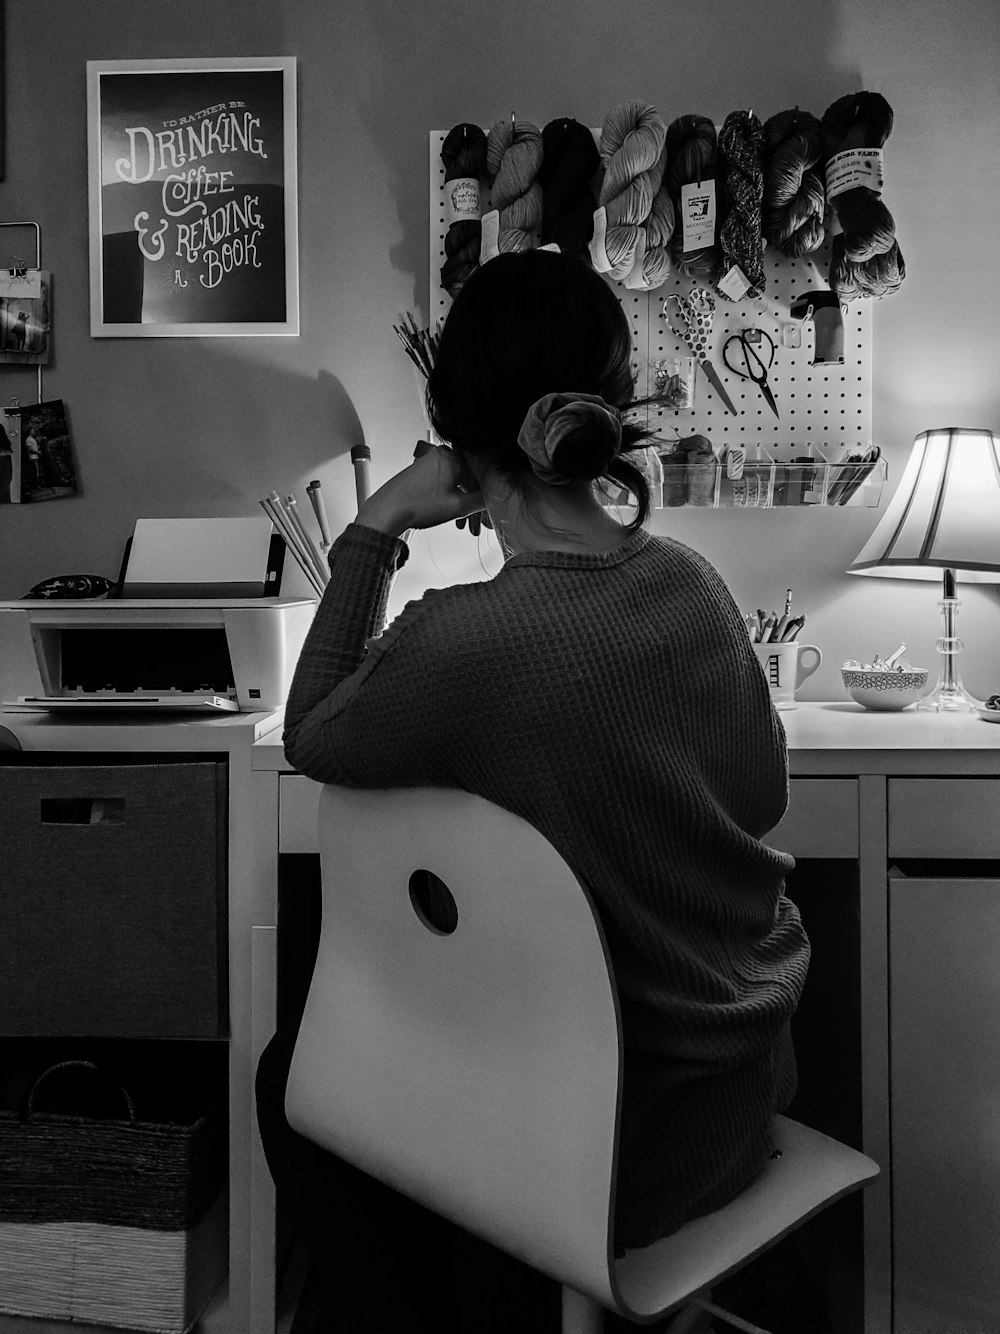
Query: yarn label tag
698, 215
853, 169
461, 200
598, 242
489, 245
735, 284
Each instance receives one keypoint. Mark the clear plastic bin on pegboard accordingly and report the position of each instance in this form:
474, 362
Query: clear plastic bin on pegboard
729, 480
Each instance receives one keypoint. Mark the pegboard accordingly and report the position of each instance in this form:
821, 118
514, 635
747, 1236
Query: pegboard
825, 409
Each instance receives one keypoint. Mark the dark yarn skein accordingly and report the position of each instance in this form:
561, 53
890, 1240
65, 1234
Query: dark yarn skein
794, 190
741, 240
861, 120
691, 154
866, 259
464, 155
570, 160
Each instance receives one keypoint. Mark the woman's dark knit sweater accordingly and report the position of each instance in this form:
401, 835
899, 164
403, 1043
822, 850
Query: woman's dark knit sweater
613, 701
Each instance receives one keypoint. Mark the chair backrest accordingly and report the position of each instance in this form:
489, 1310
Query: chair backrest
477, 1071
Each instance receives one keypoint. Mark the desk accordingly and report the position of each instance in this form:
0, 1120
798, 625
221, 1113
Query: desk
869, 792
891, 793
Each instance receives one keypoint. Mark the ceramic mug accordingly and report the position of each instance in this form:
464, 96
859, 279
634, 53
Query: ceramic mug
785, 667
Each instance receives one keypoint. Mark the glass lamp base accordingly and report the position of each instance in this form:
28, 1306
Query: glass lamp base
946, 698
949, 695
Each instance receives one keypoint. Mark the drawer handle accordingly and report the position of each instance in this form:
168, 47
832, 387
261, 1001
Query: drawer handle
82, 810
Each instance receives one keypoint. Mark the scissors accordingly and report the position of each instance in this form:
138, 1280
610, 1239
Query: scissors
750, 342
696, 312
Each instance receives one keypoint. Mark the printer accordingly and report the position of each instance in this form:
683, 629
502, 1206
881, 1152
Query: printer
194, 628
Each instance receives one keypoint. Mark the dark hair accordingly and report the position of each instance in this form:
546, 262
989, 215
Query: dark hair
523, 326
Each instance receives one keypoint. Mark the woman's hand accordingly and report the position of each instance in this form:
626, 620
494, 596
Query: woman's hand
427, 492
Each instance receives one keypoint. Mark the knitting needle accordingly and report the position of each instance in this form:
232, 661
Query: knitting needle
361, 457
306, 540
315, 493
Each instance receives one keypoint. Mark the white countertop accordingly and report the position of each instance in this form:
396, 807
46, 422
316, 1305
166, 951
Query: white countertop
840, 737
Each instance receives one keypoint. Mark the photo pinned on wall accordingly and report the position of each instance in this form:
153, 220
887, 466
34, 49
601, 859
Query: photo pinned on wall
47, 471
193, 197
10, 456
25, 316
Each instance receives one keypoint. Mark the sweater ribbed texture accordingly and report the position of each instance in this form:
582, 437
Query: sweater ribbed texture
613, 701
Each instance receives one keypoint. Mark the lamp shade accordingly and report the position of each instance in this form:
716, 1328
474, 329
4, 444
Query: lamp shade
945, 513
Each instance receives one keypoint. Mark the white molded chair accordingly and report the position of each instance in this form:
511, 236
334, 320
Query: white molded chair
478, 1070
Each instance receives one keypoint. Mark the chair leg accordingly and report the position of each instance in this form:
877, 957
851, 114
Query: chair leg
580, 1314
691, 1319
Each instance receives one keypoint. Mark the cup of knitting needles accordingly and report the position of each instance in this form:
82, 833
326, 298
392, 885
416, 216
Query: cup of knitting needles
308, 551
784, 661
884, 684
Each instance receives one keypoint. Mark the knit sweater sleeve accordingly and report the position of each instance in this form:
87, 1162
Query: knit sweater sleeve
357, 713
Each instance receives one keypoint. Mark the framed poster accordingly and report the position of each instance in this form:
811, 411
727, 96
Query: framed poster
193, 197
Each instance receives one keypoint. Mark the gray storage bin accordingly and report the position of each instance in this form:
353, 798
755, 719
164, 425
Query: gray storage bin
113, 900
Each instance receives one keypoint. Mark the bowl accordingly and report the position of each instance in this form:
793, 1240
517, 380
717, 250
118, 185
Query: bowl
885, 690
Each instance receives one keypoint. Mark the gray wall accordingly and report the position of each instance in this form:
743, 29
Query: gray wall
170, 427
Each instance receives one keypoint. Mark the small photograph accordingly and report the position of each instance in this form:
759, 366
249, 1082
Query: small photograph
25, 320
10, 456
47, 471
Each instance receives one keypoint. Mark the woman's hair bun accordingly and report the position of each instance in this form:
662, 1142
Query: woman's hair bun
571, 437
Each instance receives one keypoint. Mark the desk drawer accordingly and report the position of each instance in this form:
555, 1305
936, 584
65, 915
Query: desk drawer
298, 813
944, 817
821, 820
113, 911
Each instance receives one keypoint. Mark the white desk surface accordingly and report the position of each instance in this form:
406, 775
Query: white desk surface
839, 737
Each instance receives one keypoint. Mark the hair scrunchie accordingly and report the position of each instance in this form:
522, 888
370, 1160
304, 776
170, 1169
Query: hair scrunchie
553, 417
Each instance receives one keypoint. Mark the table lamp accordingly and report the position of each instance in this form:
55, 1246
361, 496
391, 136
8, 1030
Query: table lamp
944, 517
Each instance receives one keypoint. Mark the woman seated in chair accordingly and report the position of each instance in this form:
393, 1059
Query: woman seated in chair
602, 686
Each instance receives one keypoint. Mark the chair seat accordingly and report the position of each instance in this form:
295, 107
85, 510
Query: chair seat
813, 1170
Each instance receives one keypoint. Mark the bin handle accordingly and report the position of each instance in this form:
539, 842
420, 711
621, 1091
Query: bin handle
28, 1105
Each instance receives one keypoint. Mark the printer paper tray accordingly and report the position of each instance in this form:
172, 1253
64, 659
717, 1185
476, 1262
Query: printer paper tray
193, 702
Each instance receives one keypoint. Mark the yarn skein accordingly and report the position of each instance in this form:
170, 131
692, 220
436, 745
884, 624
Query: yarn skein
866, 259
659, 229
794, 190
632, 139
691, 159
464, 156
570, 161
741, 239
513, 160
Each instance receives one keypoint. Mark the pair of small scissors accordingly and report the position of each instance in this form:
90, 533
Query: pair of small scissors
751, 344
696, 313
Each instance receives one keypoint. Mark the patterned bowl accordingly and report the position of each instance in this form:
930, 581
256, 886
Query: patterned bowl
885, 690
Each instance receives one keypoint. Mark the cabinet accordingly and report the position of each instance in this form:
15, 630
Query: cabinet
944, 1035
944, 997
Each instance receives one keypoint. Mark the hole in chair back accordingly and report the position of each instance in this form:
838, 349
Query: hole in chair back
433, 902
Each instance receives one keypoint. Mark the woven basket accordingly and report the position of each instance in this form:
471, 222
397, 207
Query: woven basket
118, 1222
